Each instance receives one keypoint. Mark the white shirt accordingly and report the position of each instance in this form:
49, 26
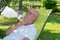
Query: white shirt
28, 31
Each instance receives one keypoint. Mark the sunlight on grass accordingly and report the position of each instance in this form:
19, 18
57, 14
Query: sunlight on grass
51, 32
2, 27
53, 27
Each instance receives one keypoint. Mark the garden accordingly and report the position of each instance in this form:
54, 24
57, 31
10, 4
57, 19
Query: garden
51, 30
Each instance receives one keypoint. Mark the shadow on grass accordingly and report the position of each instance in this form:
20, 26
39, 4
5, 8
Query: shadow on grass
47, 35
54, 18
2, 33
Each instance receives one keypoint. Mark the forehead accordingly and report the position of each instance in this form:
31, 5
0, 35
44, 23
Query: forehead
29, 14
34, 13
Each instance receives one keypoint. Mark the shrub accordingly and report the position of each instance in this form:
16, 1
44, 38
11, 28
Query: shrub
2, 33
49, 4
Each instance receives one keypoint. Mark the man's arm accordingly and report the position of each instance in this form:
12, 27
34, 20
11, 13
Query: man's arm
12, 28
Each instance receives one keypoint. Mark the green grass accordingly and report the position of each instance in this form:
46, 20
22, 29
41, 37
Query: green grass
52, 28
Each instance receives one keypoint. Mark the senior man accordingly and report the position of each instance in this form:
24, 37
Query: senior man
23, 30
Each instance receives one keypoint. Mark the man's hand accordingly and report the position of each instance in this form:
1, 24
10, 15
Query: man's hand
25, 38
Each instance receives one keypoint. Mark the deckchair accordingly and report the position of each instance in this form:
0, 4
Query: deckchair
43, 16
41, 21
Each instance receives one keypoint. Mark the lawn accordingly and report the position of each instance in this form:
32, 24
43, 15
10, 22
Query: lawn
52, 28
50, 32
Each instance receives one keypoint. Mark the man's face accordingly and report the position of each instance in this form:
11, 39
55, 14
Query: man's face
31, 17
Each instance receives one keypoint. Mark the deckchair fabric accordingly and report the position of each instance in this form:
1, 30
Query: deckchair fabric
43, 15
